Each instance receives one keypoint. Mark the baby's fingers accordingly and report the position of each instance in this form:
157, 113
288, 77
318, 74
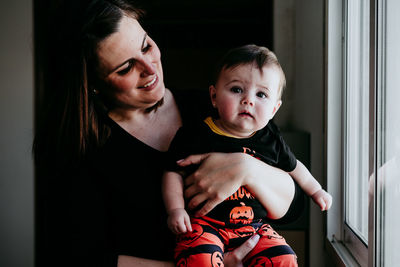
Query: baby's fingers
188, 224
322, 205
181, 228
328, 202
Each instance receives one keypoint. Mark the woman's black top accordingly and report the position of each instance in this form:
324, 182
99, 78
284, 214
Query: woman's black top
112, 204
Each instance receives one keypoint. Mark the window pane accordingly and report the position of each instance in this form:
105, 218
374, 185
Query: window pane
357, 117
389, 146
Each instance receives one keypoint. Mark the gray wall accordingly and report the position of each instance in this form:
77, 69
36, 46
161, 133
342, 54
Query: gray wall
298, 43
16, 122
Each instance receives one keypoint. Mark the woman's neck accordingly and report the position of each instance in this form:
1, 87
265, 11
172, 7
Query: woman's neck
132, 116
155, 128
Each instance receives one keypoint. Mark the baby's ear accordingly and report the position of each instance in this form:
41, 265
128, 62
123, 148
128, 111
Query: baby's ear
277, 106
213, 95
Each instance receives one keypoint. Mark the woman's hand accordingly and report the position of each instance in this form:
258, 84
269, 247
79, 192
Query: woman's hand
218, 177
221, 174
235, 257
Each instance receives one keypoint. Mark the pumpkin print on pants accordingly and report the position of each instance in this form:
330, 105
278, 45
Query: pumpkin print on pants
205, 247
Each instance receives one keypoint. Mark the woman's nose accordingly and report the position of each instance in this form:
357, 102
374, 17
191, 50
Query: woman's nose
147, 68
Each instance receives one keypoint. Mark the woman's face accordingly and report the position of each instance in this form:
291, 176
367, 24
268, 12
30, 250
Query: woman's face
130, 65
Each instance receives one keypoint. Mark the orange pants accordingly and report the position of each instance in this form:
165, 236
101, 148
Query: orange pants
206, 244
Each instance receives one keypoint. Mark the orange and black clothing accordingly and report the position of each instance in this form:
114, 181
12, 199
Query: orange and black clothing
241, 215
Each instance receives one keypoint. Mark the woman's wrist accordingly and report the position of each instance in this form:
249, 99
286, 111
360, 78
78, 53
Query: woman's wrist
273, 187
253, 169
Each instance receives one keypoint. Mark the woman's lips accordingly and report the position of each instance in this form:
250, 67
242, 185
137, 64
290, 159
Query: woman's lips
150, 85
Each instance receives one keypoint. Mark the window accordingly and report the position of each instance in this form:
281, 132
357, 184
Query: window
356, 116
363, 116
387, 177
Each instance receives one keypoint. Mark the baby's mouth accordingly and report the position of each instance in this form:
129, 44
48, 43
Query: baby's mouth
246, 114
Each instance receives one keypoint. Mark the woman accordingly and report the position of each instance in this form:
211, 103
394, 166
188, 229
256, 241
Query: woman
101, 148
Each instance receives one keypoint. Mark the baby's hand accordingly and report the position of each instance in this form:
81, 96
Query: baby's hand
179, 221
323, 199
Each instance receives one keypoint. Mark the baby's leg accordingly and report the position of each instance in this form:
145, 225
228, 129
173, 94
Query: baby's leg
271, 250
201, 247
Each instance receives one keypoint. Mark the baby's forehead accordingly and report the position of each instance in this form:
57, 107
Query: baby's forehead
247, 68
252, 65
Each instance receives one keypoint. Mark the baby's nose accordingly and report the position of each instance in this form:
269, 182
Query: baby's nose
247, 101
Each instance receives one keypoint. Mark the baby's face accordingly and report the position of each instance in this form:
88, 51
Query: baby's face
246, 98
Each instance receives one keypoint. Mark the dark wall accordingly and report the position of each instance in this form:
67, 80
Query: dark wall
193, 35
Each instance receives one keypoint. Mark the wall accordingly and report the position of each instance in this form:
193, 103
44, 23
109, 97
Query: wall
16, 120
298, 42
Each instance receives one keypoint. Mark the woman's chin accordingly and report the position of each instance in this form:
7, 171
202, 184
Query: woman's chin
158, 93
156, 97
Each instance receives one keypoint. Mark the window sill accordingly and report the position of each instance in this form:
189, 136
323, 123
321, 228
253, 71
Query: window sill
339, 255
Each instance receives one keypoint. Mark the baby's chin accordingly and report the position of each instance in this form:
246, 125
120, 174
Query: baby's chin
248, 130
243, 132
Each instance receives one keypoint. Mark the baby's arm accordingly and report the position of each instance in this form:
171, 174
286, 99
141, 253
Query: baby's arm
311, 186
172, 189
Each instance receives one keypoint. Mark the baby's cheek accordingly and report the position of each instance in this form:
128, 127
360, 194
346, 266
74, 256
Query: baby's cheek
226, 111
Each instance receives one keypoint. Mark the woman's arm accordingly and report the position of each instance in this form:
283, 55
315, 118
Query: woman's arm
129, 261
221, 174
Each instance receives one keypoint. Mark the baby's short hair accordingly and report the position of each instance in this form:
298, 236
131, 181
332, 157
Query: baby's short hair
248, 54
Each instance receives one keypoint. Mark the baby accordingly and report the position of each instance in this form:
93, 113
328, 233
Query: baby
247, 95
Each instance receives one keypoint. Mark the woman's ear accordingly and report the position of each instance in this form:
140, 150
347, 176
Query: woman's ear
213, 95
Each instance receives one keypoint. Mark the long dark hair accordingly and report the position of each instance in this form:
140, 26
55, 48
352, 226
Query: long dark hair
70, 119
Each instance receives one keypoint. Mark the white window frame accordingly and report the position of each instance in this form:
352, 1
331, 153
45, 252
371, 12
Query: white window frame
342, 244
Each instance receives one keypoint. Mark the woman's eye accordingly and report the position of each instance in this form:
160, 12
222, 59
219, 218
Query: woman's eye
126, 70
236, 90
146, 48
261, 95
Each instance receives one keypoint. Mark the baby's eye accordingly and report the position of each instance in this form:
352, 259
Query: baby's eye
261, 95
236, 90
125, 70
146, 48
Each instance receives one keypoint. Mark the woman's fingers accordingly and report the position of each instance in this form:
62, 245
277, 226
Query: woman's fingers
207, 207
215, 179
192, 159
209, 204
191, 190
246, 247
197, 200
235, 257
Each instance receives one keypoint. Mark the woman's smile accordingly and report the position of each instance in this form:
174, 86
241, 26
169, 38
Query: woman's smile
150, 85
